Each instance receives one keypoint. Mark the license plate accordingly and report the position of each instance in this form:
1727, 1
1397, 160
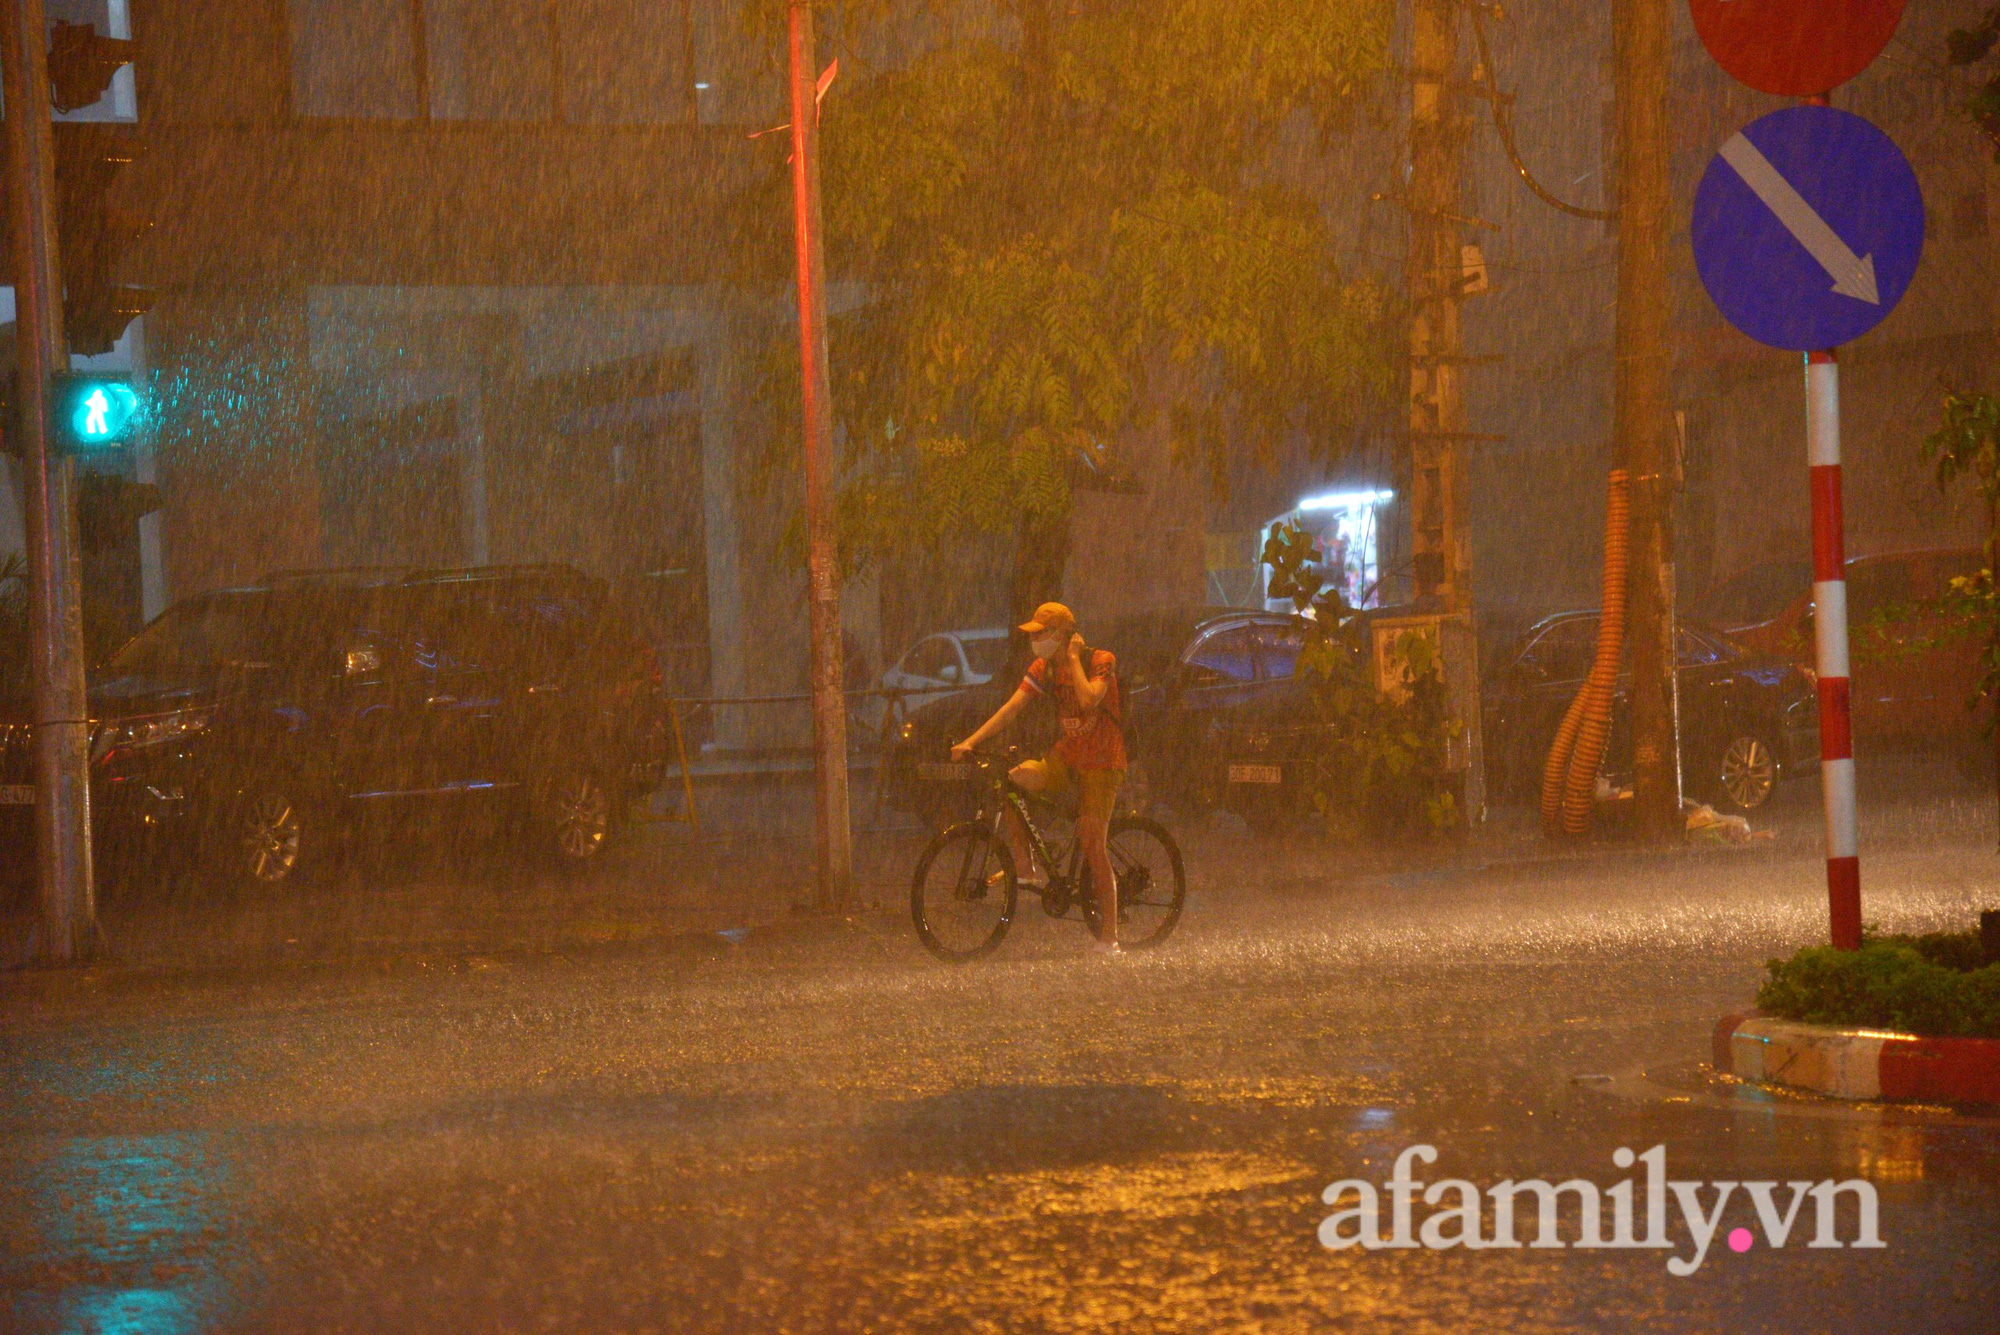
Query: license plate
1256, 774
17, 794
946, 773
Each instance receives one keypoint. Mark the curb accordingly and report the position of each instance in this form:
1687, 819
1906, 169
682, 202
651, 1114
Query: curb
1858, 1063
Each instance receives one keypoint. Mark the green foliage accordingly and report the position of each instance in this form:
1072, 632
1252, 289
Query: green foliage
1065, 226
1936, 985
1967, 444
1381, 762
1969, 46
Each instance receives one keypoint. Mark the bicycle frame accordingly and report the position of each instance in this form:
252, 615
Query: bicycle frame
1012, 798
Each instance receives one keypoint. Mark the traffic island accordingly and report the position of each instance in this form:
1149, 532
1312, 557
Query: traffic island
1855, 1063
1904, 1018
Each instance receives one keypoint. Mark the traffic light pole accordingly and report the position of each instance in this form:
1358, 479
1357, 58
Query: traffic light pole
829, 705
55, 580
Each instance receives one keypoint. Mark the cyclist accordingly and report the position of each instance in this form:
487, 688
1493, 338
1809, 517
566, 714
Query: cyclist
1086, 765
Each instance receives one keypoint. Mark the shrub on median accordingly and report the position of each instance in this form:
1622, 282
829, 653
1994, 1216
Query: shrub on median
1936, 985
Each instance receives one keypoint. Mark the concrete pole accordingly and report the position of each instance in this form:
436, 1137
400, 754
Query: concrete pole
829, 706
1643, 413
55, 577
1440, 480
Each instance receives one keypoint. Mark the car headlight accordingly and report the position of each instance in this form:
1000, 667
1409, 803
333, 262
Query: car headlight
136, 734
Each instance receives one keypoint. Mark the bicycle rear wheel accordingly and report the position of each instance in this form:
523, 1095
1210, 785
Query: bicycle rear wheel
1152, 884
962, 897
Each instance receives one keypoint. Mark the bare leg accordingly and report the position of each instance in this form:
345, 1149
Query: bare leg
1014, 835
1091, 832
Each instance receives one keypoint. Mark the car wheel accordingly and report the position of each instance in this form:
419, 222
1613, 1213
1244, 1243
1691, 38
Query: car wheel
1746, 774
572, 817
264, 837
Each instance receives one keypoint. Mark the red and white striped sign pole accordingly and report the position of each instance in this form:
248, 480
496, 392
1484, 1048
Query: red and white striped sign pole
1836, 731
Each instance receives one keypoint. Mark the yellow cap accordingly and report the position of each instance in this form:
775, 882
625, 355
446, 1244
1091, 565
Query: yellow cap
1049, 616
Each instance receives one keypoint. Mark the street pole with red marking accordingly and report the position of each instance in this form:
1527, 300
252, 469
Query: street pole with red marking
1836, 731
829, 706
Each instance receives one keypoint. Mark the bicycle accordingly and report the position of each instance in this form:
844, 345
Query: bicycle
964, 911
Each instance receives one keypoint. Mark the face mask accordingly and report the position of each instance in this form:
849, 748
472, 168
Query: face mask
1045, 646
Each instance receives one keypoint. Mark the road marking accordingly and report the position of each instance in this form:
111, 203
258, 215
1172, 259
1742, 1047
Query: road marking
1853, 276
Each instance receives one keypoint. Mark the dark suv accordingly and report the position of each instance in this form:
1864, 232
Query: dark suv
250, 725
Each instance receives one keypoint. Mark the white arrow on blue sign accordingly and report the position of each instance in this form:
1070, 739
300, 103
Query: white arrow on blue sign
1807, 228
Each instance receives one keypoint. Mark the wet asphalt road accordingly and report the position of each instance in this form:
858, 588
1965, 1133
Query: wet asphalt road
825, 1130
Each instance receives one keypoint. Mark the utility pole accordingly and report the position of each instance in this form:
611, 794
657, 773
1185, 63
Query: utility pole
1440, 482
829, 706
55, 578
1644, 420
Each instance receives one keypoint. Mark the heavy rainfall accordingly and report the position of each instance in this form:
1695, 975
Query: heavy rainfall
1223, 665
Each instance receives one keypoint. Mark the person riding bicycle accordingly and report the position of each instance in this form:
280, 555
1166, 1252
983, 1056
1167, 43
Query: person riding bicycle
1087, 765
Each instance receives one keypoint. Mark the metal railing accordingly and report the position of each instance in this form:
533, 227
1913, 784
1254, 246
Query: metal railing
778, 753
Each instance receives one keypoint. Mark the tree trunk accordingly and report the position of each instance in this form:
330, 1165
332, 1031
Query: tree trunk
1643, 414
1040, 558
1993, 572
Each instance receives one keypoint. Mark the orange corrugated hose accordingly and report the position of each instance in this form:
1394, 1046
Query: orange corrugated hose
1569, 780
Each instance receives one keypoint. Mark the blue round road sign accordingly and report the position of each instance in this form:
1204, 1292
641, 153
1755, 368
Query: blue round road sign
1807, 228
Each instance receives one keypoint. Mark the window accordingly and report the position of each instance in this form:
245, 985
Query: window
1692, 650
1565, 650
1754, 596
929, 659
1278, 650
985, 656
1222, 657
226, 629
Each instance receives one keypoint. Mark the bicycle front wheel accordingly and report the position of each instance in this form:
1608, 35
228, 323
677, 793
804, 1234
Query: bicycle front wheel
1152, 884
962, 898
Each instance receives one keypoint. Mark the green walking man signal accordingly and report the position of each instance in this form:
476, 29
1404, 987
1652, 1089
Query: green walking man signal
91, 412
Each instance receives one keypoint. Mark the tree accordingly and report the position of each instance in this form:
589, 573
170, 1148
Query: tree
1967, 444
1381, 762
1070, 225
1969, 46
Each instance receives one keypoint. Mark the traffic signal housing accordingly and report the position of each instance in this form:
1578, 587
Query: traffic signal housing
108, 508
82, 64
92, 412
96, 306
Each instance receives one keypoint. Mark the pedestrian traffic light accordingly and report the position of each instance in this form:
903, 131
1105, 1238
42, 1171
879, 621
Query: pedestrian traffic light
96, 306
92, 412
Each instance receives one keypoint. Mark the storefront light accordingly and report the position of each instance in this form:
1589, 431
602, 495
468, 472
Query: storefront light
1346, 500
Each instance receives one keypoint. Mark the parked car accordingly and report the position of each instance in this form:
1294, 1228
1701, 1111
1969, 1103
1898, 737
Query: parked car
248, 726
942, 664
1211, 718
1902, 697
1747, 719
1227, 725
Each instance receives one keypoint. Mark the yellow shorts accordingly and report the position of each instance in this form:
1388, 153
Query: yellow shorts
1095, 791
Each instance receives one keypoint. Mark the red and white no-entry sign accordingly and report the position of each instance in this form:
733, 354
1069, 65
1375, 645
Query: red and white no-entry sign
1796, 48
